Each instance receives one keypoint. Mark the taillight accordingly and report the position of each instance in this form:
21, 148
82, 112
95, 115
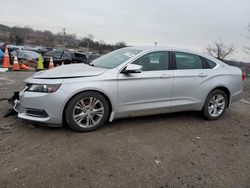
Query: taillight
243, 75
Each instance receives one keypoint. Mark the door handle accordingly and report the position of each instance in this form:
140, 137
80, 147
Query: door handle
165, 76
202, 75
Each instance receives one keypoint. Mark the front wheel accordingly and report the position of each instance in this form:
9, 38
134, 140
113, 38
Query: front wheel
215, 105
87, 111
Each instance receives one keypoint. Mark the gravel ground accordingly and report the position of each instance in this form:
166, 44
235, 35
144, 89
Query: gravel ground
171, 150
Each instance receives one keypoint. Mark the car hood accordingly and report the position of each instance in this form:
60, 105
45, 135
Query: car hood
69, 71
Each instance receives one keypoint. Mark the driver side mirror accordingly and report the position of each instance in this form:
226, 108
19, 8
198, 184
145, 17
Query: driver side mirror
132, 68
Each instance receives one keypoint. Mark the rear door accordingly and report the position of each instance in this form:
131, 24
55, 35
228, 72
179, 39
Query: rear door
191, 81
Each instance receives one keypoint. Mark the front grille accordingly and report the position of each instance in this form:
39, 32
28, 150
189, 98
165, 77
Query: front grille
36, 112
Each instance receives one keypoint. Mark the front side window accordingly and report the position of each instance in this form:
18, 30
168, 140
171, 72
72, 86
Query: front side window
188, 61
154, 61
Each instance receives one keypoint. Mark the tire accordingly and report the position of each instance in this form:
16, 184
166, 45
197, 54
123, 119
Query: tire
87, 111
215, 105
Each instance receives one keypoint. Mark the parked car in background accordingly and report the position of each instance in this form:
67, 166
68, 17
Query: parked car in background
90, 56
42, 49
58, 56
38, 49
2, 46
66, 56
12, 48
25, 56
128, 82
78, 57
1, 57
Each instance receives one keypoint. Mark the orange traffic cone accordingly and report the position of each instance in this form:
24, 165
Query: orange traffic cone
62, 63
24, 67
6, 60
16, 66
51, 63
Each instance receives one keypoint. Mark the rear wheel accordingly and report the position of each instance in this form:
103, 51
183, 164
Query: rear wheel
215, 105
87, 111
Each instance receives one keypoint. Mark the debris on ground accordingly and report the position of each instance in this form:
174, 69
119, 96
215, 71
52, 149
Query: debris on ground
245, 101
157, 162
31, 126
6, 126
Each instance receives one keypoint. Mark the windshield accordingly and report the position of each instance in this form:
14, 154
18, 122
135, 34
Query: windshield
115, 58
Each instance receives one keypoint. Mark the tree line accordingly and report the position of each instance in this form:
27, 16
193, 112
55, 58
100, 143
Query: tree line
26, 35
29, 36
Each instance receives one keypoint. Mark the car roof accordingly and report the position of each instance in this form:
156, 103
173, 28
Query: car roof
159, 48
28, 51
146, 49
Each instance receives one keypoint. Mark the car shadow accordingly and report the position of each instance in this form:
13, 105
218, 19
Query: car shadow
124, 122
175, 116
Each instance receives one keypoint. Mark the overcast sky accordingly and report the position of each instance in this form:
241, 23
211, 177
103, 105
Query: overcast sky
191, 24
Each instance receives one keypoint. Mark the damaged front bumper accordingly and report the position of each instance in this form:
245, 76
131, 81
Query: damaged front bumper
17, 105
36, 107
28, 113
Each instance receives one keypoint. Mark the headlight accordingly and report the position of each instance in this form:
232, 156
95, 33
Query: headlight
44, 88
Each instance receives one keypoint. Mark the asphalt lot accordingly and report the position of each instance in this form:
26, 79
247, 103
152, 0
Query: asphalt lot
171, 150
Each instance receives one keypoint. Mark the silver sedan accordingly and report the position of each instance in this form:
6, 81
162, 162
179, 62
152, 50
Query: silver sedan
133, 81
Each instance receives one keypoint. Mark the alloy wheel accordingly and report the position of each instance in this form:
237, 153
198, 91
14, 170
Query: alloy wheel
88, 112
216, 105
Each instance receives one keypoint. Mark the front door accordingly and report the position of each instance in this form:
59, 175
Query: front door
148, 92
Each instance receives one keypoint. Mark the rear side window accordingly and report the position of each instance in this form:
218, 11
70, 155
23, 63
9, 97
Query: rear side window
188, 61
210, 64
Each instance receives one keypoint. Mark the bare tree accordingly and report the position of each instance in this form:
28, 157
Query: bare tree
247, 48
220, 50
